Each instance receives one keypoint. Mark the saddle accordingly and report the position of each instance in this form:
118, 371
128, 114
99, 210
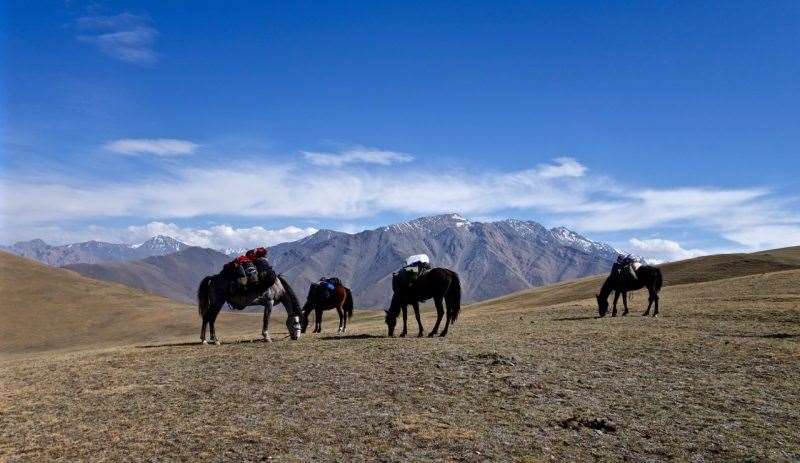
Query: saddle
624, 273
250, 274
326, 286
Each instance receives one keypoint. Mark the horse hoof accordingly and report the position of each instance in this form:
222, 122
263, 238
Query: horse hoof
443, 334
402, 335
204, 342
421, 334
432, 334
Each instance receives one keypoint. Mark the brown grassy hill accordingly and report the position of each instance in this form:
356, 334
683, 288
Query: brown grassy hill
697, 270
45, 308
715, 378
174, 275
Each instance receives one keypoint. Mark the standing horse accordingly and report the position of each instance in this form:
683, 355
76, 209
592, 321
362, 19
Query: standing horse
319, 300
646, 276
216, 290
437, 283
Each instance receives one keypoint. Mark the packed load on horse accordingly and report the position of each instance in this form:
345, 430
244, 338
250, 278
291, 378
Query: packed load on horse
625, 268
415, 267
251, 269
326, 286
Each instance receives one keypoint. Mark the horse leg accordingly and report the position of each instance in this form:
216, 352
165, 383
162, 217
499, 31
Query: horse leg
655, 300
344, 319
649, 303
265, 325
405, 321
419, 321
340, 313
625, 303
446, 325
616, 298
203, 331
439, 314
211, 319
318, 320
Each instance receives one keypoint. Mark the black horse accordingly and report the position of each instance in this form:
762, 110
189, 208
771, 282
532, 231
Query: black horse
647, 276
320, 299
437, 283
216, 290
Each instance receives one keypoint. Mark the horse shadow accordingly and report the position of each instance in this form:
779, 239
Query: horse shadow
198, 343
572, 319
350, 336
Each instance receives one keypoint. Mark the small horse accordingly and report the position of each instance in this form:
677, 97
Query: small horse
437, 283
319, 300
216, 290
646, 276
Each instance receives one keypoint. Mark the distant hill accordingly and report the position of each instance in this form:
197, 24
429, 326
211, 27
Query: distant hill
493, 258
93, 251
697, 270
46, 309
173, 275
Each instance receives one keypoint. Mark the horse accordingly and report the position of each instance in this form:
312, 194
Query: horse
214, 291
319, 300
437, 283
646, 276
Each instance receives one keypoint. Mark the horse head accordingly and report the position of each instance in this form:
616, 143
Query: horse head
602, 305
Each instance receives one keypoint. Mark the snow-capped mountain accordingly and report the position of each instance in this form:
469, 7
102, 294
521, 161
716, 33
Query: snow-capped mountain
90, 252
493, 258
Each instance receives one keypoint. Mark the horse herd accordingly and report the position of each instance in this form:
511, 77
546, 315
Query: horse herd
440, 284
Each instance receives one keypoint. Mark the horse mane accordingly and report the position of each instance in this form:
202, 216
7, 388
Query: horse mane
292, 296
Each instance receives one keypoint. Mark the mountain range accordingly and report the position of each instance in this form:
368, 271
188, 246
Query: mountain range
492, 258
174, 275
90, 252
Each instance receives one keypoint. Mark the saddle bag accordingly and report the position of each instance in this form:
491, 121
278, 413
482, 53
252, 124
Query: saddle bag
251, 272
266, 275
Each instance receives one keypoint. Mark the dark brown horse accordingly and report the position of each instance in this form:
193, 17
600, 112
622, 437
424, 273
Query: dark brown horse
440, 284
647, 276
320, 299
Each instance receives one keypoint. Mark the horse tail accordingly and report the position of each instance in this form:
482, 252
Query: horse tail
292, 296
203, 295
659, 281
453, 297
348, 303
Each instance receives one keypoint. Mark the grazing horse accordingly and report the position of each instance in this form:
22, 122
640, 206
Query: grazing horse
647, 276
319, 299
216, 290
437, 283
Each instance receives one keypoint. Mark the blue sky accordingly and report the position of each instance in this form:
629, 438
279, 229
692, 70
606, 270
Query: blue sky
666, 128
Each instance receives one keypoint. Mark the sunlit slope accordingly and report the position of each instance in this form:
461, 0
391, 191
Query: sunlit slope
698, 270
45, 308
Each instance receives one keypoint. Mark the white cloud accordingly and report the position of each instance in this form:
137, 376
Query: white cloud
565, 191
214, 237
157, 146
126, 37
658, 250
356, 155
217, 236
562, 167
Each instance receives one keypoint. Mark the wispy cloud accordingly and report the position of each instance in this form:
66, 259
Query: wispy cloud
563, 190
126, 37
215, 237
358, 154
657, 250
157, 146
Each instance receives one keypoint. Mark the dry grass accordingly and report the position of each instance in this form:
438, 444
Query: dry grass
717, 377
